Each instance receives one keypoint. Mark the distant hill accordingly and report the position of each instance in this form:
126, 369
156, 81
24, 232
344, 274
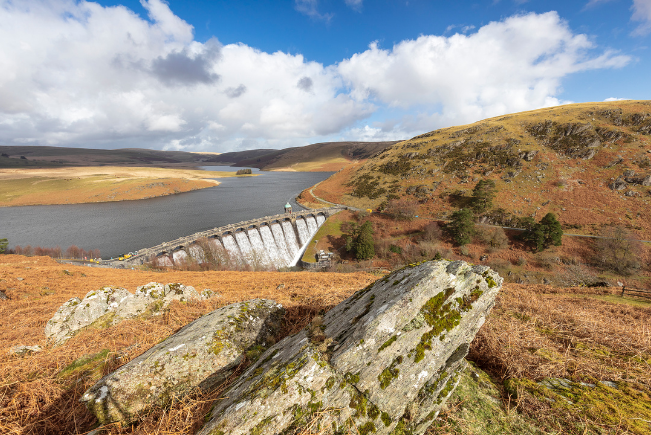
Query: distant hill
590, 164
330, 156
327, 156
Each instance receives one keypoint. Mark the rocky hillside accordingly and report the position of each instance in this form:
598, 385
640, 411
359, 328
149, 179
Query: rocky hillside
590, 164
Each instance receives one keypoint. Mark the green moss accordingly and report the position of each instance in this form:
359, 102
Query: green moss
87, 363
372, 411
254, 352
387, 343
366, 428
330, 383
448, 388
401, 429
358, 402
390, 373
259, 428
386, 419
491, 282
351, 378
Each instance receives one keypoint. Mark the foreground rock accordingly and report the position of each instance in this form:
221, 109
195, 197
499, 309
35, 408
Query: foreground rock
22, 350
383, 361
201, 355
108, 306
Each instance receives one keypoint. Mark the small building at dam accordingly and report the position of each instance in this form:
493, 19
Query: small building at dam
271, 242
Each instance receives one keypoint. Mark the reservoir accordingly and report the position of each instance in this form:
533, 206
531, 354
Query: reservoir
119, 227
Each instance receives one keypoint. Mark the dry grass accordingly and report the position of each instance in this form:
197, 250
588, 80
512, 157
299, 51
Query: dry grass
36, 399
534, 332
75, 185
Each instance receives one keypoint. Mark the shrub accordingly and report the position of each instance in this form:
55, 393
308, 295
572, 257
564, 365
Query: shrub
402, 209
464, 250
243, 172
396, 249
521, 261
493, 237
3, 245
618, 251
432, 232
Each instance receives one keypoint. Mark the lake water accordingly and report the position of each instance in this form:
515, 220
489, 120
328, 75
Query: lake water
118, 227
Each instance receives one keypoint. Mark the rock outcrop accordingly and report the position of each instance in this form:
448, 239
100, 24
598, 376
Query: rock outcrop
108, 306
22, 350
383, 361
201, 355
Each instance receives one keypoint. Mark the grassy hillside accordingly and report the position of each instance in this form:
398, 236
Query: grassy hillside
534, 337
587, 163
328, 156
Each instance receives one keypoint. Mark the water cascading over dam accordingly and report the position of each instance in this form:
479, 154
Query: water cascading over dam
271, 242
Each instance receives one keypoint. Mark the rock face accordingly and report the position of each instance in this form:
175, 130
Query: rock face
108, 306
383, 361
201, 355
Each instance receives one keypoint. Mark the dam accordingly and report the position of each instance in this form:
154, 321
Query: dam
267, 243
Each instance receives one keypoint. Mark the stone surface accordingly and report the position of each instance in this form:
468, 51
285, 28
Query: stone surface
3, 297
22, 350
108, 306
383, 361
200, 355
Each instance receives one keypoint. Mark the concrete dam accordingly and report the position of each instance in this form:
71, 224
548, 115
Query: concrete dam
271, 242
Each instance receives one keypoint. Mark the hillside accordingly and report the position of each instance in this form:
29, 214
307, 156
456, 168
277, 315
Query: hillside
590, 164
328, 156
534, 337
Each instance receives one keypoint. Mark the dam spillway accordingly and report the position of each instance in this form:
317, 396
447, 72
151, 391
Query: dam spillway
268, 243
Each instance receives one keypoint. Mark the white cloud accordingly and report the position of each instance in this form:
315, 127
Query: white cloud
642, 12
508, 66
355, 4
311, 9
78, 74
615, 99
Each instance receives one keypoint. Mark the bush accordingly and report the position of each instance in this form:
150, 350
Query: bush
432, 232
462, 226
493, 237
243, 172
359, 240
402, 209
3, 245
395, 249
618, 251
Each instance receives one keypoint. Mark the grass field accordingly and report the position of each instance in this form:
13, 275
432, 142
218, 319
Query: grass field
74, 185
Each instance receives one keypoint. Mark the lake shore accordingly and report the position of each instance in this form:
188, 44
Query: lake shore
80, 185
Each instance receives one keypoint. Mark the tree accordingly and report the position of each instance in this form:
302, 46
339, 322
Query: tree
482, 196
543, 234
3, 245
359, 241
618, 250
402, 209
462, 227
365, 245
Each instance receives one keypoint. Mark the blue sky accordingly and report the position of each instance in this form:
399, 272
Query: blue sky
231, 75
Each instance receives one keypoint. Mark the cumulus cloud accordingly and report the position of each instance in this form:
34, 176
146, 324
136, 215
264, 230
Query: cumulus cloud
506, 66
305, 83
615, 99
76, 73
642, 12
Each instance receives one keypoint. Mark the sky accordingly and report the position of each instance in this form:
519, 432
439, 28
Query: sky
219, 76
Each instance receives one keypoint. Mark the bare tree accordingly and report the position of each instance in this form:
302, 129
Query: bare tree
618, 250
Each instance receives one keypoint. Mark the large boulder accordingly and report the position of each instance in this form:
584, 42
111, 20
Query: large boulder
108, 306
200, 355
383, 361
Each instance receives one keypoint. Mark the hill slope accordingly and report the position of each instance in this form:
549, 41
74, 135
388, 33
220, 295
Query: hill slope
327, 156
590, 164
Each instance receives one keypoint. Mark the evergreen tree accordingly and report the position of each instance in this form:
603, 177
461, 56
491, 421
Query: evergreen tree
483, 195
543, 234
365, 245
3, 245
462, 227
552, 230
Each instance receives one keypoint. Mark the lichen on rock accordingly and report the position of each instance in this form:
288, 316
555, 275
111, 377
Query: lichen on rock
199, 356
384, 361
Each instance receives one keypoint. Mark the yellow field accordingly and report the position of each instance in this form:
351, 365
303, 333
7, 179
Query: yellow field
75, 185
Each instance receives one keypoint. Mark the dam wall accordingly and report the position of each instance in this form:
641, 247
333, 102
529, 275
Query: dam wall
271, 242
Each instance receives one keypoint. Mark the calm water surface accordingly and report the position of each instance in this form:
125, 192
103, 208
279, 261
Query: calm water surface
118, 227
